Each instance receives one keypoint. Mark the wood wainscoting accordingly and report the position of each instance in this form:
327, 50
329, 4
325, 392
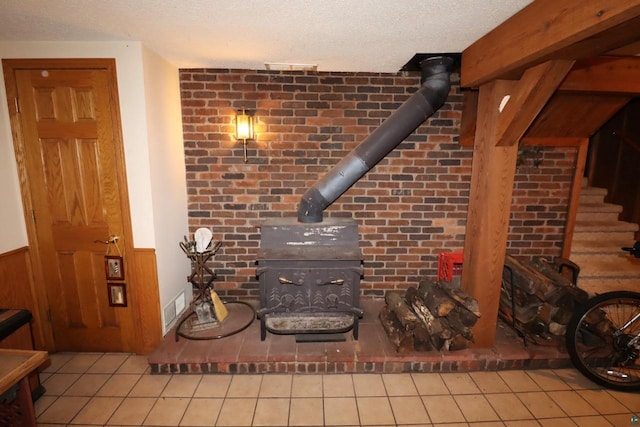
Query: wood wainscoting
145, 290
18, 290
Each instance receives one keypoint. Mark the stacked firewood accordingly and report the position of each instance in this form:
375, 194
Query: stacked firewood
542, 298
435, 315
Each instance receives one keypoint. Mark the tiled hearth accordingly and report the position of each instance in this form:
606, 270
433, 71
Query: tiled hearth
246, 353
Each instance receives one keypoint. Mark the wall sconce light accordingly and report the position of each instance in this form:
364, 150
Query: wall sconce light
244, 129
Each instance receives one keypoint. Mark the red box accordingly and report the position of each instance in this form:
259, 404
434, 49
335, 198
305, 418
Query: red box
449, 265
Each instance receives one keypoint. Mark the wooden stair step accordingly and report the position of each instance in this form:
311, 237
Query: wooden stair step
593, 190
596, 285
599, 207
607, 244
608, 266
596, 246
602, 226
592, 195
618, 236
589, 217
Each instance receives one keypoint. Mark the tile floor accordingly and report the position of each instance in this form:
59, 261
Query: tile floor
118, 389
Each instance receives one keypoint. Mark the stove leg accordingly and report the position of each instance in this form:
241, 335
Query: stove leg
263, 329
355, 328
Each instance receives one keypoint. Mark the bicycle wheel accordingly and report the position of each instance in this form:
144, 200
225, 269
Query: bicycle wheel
598, 345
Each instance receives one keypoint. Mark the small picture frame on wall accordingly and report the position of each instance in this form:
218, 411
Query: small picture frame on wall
117, 294
114, 267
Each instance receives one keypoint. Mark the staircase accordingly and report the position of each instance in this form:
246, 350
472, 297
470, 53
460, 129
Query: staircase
597, 239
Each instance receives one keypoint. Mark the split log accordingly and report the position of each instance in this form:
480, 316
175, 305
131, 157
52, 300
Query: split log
579, 296
396, 303
556, 314
401, 339
545, 299
442, 341
451, 340
457, 343
546, 312
557, 329
595, 316
440, 336
563, 309
521, 296
549, 270
605, 328
453, 323
534, 327
422, 312
563, 301
461, 298
463, 316
436, 300
422, 345
525, 313
406, 316
528, 278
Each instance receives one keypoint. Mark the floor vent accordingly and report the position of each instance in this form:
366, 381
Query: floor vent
169, 314
180, 303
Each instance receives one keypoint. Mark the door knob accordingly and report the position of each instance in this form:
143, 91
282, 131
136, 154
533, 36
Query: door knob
112, 239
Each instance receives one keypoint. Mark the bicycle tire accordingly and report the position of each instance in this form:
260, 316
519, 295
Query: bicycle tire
595, 351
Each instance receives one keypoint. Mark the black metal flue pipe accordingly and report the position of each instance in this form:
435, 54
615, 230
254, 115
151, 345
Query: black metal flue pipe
411, 114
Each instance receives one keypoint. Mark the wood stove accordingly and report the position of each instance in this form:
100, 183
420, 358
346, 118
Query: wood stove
310, 269
309, 277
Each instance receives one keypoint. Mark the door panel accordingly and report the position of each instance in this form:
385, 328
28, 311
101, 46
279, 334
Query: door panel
70, 156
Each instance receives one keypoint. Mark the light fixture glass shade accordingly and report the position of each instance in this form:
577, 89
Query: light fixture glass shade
244, 126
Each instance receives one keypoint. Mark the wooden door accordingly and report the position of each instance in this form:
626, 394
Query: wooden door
74, 169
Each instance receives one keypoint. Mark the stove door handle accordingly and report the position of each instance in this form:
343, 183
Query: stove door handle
338, 282
286, 281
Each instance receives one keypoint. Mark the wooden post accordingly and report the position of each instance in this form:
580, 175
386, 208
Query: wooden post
490, 198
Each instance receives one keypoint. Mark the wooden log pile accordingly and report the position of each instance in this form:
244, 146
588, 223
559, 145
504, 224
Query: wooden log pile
435, 315
543, 299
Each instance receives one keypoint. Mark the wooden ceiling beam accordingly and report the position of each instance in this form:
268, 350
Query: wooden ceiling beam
549, 29
575, 114
608, 74
628, 50
529, 97
468, 118
571, 141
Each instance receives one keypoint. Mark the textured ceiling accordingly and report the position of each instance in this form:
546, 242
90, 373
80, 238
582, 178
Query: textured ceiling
337, 35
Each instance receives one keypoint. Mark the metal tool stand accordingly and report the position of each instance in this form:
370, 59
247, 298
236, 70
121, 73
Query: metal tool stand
199, 268
201, 278
201, 308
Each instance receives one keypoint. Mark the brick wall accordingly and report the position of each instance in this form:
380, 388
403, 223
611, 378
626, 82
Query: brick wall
540, 202
410, 207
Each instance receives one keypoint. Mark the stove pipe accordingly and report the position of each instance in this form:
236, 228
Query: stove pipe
411, 114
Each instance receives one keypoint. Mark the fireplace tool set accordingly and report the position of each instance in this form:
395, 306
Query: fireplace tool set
206, 311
